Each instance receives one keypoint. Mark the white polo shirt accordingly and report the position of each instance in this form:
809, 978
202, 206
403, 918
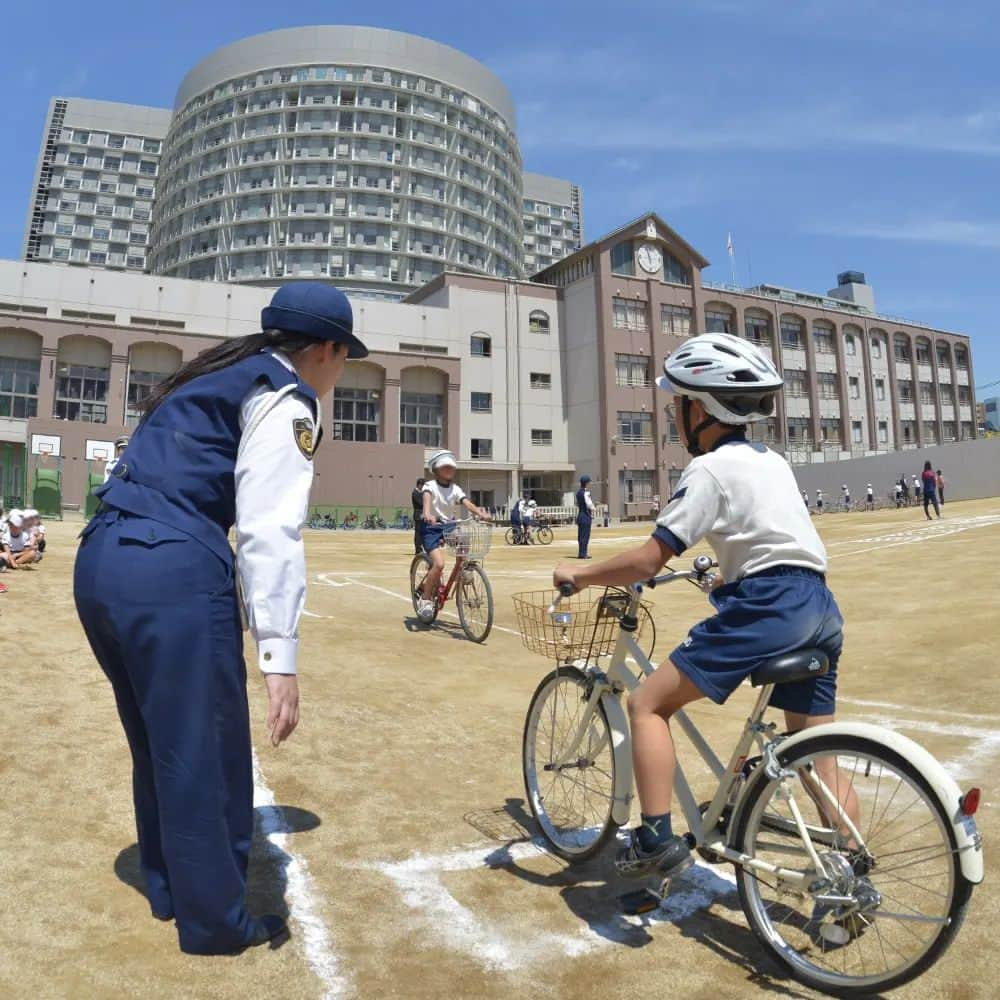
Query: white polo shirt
743, 500
446, 501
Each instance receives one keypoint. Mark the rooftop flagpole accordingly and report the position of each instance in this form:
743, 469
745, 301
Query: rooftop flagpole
731, 250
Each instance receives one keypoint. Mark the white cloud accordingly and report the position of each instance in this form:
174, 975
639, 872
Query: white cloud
952, 232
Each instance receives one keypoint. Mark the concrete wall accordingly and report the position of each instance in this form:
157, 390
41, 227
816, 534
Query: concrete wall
971, 470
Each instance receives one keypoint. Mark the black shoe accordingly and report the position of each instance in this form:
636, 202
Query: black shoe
585, 557
670, 858
266, 929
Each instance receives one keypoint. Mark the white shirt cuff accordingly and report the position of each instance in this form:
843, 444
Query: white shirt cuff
277, 656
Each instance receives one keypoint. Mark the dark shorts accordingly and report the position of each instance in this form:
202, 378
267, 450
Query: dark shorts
432, 535
762, 616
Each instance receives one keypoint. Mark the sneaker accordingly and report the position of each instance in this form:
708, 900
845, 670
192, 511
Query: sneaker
425, 611
670, 858
3, 588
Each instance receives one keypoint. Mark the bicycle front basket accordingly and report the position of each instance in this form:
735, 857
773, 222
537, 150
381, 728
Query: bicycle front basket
581, 628
469, 539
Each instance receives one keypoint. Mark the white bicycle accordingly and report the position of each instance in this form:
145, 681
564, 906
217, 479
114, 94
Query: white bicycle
848, 906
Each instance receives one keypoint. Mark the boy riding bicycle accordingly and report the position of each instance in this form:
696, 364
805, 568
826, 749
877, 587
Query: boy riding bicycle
444, 500
771, 597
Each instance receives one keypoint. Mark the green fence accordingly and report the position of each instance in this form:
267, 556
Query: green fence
345, 516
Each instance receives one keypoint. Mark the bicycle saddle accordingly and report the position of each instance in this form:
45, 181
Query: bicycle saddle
797, 666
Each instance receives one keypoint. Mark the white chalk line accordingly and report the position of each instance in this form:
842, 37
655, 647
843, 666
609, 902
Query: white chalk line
300, 892
514, 944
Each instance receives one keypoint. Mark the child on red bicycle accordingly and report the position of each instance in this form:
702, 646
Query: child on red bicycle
743, 499
444, 500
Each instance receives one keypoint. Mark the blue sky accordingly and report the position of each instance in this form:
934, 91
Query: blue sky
823, 135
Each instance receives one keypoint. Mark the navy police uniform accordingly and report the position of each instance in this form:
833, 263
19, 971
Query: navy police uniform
156, 591
584, 517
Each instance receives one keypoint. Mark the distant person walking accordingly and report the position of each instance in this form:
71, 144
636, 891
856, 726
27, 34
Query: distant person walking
940, 487
930, 490
417, 501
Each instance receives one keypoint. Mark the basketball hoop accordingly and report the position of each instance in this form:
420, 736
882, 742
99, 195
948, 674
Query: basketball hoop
100, 455
44, 448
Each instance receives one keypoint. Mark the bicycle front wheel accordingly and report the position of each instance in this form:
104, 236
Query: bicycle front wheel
570, 799
898, 904
510, 537
544, 535
475, 602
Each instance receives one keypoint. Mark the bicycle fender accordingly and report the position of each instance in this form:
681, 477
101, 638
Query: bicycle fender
621, 808
967, 838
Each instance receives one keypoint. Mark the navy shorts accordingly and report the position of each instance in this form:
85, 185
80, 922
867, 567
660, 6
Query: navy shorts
432, 535
769, 614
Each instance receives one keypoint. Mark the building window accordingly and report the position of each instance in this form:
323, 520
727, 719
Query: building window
541, 437
961, 359
718, 321
541, 380
901, 348
923, 352
942, 354
538, 322
908, 428
829, 430
140, 387
826, 383
823, 338
905, 391
355, 414
856, 432
637, 488
634, 427
482, 448
947, 395
798, 430
631, 369
883, 432
854, 385
927, 393
421, 419
675, 320
672, 434
674, 271
850, 346
481, 346
795, 382
963, 395
19, 388
880, 388
623, 258
930, 432
757, 330
82, 393
791, 332
628, 314
876, 348
482, 402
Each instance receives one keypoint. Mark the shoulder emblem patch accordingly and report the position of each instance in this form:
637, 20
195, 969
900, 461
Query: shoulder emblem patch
302, 430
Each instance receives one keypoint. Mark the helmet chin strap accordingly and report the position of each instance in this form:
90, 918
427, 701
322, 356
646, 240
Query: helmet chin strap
693, 433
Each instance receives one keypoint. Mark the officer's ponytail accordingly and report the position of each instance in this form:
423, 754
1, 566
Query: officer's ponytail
222, 356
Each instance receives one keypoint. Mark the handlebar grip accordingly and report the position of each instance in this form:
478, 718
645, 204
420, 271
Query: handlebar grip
566, 590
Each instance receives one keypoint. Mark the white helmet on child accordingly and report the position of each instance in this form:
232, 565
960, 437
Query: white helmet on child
532, 503
734, 381
440, 458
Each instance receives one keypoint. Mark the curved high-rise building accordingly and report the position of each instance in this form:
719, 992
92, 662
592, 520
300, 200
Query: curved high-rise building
371, 157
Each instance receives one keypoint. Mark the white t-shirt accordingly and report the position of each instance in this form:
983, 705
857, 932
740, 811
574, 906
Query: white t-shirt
869, 491
446, 501
16, 543
743, 500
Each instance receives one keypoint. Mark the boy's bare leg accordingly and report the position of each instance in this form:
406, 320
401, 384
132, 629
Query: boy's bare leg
835, 779
434, 573
649, 709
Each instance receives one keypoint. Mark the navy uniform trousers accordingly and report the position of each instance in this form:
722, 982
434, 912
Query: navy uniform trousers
583, 523
161, 613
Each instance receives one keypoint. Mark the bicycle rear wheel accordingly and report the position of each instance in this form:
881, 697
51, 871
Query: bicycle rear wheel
510, 536
908, 894
571, 803
419, 568
544, 535
475, 602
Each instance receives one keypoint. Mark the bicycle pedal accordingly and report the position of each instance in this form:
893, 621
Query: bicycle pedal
639, 901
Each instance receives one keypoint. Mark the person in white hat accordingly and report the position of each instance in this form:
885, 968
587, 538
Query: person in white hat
17, 549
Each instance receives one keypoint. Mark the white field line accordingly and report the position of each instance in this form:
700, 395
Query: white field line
969, 716
916, 535
300, 892
513, 944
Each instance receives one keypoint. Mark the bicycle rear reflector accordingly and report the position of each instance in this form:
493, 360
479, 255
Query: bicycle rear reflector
969, 802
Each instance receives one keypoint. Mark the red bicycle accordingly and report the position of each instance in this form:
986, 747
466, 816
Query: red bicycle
470, 542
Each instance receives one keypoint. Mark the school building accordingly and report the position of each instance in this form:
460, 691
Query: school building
531, 383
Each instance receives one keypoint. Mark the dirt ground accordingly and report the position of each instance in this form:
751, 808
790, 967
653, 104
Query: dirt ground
393, 824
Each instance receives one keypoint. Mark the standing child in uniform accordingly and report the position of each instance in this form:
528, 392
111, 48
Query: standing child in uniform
819, 501
742, 498
897, 488
444, 500
940, 486
846, 496
226, 441
869, 497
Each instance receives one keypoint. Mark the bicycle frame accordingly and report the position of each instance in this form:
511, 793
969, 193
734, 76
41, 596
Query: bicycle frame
445, 594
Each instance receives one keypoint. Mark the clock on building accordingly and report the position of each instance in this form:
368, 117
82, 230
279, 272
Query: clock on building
649, 258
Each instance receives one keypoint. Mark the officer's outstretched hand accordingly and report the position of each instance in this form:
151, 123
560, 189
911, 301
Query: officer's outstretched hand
283, 706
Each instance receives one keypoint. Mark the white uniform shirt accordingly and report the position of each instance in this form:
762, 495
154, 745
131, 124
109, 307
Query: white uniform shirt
446, 501
742, 498
869, 492
273, 478
589, 501
16, 543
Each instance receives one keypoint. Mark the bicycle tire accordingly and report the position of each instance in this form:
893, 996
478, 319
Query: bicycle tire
419, 567
509, 537
571, 843
647, 632
544, 535
845, 745
467, 602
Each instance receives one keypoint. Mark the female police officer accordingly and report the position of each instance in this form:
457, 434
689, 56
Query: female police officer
228, 439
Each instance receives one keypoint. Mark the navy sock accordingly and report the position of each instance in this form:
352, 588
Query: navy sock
655, 831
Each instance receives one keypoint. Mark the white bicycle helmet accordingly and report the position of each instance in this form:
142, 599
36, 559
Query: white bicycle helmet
732, 379
440, 458
532, 503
